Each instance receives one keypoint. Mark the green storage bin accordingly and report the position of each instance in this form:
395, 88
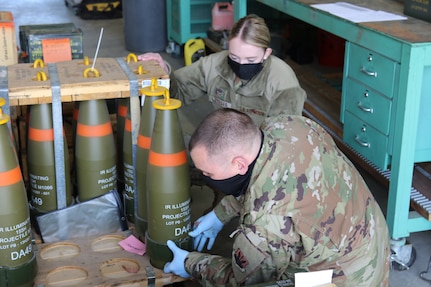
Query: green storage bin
31, 36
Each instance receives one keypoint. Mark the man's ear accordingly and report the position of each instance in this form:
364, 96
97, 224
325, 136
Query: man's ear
241, 164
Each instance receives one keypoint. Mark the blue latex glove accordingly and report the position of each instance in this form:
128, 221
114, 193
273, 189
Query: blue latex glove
176, 266
206, 228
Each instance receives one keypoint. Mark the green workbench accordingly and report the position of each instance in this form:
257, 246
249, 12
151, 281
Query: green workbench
391, 62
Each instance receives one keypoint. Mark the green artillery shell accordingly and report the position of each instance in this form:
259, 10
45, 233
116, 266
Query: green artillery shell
18, 265
168, 182
148, 115
41, 160
95, 151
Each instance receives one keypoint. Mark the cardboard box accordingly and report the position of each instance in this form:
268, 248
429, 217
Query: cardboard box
418, 9
8, 48
33, 37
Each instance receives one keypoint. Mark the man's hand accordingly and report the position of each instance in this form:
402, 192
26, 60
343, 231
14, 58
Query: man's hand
176, 266
206, 228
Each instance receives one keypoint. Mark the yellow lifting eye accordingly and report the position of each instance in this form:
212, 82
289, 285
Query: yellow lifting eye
3, 117
91, 72
141, 70
41, 76
153, 90
86, 61
167, 103
38, 63
130, 57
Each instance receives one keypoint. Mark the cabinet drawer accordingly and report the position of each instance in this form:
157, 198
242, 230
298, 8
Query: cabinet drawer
366, 140
372, 69
368, 105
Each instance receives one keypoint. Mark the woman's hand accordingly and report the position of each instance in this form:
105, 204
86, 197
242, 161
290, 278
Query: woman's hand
155, 56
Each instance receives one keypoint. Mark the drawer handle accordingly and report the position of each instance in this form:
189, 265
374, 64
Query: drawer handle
364, 144
368, 73
365, 109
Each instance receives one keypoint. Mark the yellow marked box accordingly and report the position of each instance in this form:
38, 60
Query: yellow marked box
8, 48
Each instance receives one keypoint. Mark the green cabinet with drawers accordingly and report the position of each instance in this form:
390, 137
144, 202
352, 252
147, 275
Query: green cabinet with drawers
386, 97
368, 90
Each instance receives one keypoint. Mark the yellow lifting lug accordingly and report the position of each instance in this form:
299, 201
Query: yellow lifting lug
38, 63
131, 57
141, 70
91, 72
41, 76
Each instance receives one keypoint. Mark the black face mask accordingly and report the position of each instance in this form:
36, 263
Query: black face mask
245, 71
236, 185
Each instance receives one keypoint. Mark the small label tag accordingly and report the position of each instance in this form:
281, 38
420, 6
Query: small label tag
133, 245
56, 50
161, 82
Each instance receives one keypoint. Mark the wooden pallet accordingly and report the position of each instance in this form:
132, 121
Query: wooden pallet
26, 86
108, 80
97, 261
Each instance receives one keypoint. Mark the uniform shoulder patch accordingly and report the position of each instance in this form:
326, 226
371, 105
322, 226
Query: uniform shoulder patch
240, 259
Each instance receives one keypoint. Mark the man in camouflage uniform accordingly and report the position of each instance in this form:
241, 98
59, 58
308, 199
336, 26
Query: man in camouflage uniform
302, 206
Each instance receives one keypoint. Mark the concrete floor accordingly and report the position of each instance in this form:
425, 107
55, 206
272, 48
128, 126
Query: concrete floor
28, 12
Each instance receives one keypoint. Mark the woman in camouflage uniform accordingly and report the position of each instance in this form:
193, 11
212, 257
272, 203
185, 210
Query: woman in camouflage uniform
302, 205
246, 77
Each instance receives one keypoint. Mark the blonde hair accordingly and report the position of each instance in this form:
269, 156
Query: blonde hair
252, 30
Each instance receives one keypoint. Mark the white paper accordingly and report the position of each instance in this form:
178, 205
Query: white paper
357, 14
160, 82
313, 279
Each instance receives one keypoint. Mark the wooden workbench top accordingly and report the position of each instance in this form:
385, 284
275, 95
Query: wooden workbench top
29, 85
411, 30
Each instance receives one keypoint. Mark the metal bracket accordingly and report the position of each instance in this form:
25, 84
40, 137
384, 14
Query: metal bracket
135, 112
57, 122
4, 92
151, 277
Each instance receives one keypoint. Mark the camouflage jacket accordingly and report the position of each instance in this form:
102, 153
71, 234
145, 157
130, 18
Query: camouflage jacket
306, 208
273, 91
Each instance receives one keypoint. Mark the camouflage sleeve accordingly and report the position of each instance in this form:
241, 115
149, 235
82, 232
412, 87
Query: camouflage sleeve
228, 208
210, 268
252, 262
